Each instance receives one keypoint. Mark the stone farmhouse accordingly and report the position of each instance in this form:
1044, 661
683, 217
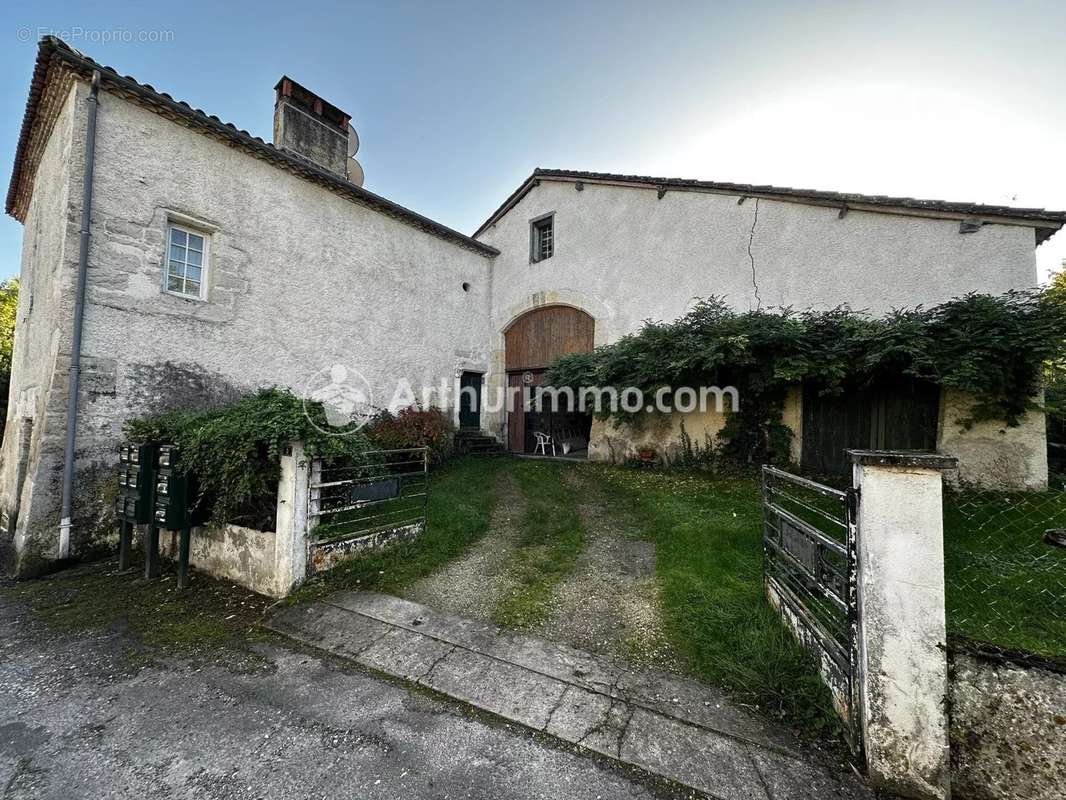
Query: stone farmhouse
215, 263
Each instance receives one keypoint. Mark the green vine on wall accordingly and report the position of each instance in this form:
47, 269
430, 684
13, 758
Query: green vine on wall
234, 449
993, 347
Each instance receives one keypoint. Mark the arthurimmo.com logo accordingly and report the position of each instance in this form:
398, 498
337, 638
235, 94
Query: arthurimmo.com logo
339, 400
346, 398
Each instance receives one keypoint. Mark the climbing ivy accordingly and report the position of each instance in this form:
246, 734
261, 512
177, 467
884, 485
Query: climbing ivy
990, 346
234, 449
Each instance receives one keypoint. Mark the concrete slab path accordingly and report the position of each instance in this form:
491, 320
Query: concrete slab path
675, 728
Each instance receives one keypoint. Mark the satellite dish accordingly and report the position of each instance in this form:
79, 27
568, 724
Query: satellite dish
355, 172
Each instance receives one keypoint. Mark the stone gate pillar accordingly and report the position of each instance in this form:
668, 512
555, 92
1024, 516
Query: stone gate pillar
902, 630
291, 543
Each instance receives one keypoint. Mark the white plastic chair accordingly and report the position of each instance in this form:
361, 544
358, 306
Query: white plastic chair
543, 441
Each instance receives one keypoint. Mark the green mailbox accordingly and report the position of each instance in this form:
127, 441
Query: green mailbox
136, 478
136, 483
176, 493
176, 505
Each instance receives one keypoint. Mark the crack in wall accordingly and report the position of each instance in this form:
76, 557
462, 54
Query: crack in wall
751, 256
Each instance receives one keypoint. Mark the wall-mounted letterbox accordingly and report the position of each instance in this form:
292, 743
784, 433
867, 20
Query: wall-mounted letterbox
176, 493
136, 478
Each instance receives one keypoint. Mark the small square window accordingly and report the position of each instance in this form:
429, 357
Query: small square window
542, 238
186, 263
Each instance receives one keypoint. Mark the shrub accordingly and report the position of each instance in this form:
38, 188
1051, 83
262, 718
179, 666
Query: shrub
234, 449
414, 427
993, 348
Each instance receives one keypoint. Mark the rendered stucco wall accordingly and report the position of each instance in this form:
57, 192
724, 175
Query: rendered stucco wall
636, 257
300, 279
617, 442
902, 632
991, 454
31, 457
1008, 731
243, 555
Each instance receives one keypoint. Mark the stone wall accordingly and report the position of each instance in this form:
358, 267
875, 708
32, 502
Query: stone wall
992, 455
1008, 730
31, 457
324, 556
617, 442
243, 555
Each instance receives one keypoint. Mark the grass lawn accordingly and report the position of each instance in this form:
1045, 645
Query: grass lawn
708, 537
707, 534
461, 499
1004, 584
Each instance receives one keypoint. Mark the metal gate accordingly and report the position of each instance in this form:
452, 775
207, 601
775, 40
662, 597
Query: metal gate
809, 567
362, 504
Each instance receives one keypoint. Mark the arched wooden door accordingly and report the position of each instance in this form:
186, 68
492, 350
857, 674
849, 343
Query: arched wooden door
531, 344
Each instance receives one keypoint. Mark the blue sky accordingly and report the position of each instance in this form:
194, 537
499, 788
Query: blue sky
456, 102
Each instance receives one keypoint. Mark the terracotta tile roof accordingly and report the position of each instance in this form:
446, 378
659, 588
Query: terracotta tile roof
1045, 222
54, 54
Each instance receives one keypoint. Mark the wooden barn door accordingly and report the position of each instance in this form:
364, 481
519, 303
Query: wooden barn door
532, 343
516, 418
898, 416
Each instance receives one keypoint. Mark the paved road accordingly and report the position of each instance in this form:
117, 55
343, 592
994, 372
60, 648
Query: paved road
81, 718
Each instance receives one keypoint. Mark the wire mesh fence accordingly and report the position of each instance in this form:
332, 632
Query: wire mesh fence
1005, 570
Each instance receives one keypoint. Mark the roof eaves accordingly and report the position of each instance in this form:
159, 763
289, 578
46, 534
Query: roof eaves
1045, 222
50, 49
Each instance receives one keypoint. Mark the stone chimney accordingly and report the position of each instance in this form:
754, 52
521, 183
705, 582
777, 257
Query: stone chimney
307, 125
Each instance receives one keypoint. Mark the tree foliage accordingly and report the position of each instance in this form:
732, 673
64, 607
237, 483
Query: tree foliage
990, 346
9, 300
1055, 382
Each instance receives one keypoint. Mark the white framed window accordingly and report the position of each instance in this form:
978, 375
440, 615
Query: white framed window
187, 261
542, 237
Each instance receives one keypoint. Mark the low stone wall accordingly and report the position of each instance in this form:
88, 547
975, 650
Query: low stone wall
243, 555
326, 555
991, 454
1008, 730
619, 442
